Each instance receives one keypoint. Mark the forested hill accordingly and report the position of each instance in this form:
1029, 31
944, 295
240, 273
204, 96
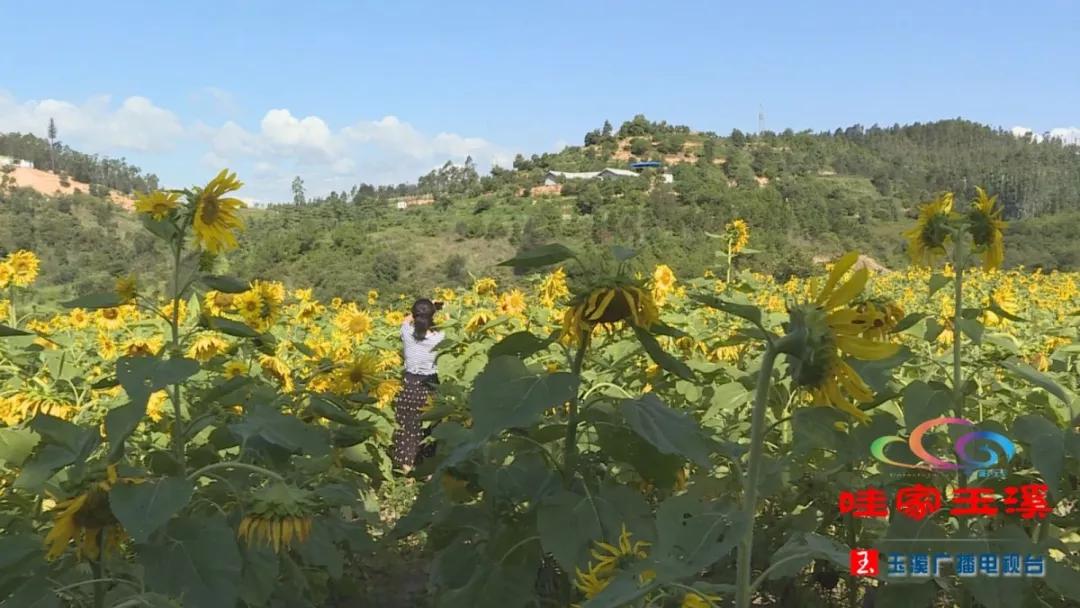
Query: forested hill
803, 194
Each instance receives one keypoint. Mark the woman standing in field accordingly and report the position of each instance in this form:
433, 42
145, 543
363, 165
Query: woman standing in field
419, 337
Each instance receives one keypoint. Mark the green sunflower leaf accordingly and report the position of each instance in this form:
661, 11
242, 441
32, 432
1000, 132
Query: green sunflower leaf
544, 255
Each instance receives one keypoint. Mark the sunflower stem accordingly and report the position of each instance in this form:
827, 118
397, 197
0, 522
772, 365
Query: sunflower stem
174, 326
728, 281
743, 589
570, 449
11, 305
958, 377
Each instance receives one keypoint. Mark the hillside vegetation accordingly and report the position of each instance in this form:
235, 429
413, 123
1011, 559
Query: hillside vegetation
805, 195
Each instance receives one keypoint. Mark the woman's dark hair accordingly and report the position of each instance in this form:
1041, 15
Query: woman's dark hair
423, 317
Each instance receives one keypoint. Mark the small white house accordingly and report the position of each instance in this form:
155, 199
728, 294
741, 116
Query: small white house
668, 178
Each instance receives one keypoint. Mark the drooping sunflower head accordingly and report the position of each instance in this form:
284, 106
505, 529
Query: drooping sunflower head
206, 346
553, 288
826, 328
478, 320
216, 220
932, 231
126, 288
158, 204
986, 228
85, 517
738, 234
280, 515
24, 267
607, 303
485, 286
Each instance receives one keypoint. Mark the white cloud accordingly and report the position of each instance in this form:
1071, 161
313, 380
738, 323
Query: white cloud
289, 135
270, 153
97, 125
1069, 135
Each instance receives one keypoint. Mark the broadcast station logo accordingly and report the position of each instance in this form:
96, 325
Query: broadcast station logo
864, 562
983, 457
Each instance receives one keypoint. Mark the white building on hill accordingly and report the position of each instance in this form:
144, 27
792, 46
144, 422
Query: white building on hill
7, 160
552, 177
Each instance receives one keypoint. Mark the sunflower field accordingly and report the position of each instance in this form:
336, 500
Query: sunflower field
605, 434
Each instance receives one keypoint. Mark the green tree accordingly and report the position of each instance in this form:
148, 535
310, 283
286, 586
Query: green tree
298, 191
639, 146
52, 145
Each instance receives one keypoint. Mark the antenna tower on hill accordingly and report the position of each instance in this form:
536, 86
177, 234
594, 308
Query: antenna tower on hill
760, 119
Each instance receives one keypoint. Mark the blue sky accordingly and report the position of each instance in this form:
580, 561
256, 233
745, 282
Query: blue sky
344, 92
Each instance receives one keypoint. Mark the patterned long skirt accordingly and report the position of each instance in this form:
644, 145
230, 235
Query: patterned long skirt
415, 392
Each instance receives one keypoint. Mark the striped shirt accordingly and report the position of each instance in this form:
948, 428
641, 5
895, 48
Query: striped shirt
420, 354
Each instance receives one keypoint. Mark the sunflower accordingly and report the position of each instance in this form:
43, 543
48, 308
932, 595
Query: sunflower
280, 515
485, 286
206, 346
6, 273
77, 318
157, 406
216, 219
609, 304
478, 320
663, 283
372, 297
882, 316
512, 303
158, 205
356, 375
738, 234
826, 328
110, 319
386, 390
216, 302
249, 304
353, 322
234, 369
106, 346
181, 311
389, 360
142, 347
24, 267
126, 288
985, 225
927, 240
85, 518
609, 560
553, 288
277, 369
694, 599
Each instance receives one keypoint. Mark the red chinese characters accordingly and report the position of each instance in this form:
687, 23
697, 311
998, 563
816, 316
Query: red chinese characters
867, 502
920, 501
1030, 504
